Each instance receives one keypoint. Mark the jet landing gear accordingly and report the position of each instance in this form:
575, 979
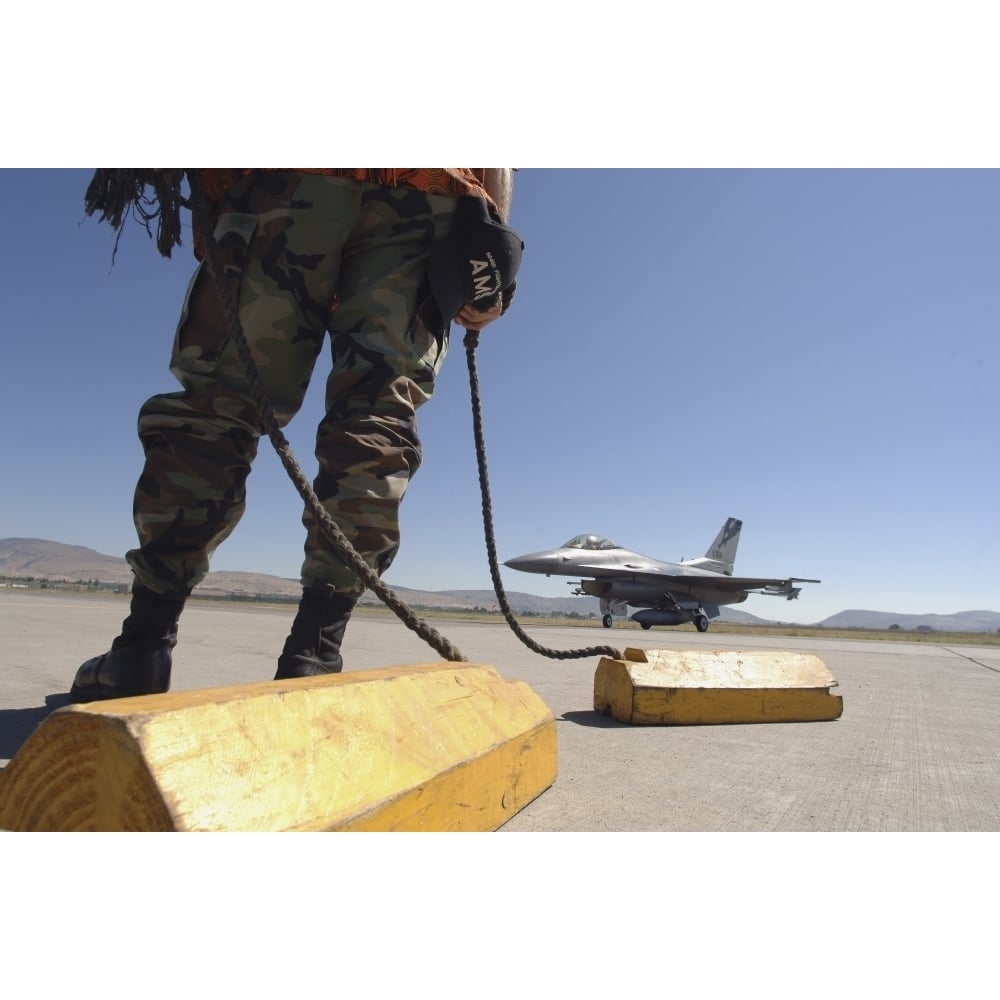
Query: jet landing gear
608, 608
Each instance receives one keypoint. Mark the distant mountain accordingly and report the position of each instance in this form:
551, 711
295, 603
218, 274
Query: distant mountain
35, 557
24, 558
963, 621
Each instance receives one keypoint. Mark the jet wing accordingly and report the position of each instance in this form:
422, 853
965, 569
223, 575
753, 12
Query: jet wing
717, 581
700, 583
756, 583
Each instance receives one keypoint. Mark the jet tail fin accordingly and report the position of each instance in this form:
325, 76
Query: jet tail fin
721, 554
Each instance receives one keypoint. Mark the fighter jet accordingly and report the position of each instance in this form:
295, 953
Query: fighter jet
671, 593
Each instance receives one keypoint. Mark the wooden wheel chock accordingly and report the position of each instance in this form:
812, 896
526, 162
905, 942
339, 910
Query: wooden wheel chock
695, 687
443, 746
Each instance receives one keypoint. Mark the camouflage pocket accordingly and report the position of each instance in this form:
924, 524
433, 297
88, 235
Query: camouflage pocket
203, 330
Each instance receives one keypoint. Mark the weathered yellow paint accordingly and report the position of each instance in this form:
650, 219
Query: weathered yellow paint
443, 746
698, 687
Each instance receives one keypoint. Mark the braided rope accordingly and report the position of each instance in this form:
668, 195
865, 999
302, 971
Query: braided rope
471, 343
340, 543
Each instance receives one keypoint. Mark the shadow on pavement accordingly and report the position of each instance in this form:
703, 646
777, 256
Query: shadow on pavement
17, 724
594, 720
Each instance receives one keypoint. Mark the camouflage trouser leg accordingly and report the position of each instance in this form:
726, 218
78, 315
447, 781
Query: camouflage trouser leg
294, 246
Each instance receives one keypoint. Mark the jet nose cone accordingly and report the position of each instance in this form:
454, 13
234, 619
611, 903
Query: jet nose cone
518, 562
533, 562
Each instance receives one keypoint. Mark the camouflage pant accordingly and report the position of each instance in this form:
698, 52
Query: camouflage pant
305, 254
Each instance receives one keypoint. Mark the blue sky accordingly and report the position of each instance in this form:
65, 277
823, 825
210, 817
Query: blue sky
813, 351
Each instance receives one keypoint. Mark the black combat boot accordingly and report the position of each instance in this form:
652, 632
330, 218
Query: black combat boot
313, 646
140, 658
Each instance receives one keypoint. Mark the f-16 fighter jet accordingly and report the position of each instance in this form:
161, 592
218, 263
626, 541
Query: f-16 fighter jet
671, 593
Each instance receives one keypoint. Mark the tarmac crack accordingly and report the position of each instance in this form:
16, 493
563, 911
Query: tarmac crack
972, 659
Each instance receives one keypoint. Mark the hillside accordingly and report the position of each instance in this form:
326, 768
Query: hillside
964, 621
27, 558
44, 560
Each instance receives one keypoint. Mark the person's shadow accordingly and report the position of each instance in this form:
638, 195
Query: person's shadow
17, 724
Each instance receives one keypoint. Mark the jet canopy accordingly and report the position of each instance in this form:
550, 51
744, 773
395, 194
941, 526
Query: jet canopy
591, 542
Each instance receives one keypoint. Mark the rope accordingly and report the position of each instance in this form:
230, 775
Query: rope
471, 343
338, 540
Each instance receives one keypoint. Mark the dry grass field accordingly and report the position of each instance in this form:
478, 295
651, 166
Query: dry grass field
806, 631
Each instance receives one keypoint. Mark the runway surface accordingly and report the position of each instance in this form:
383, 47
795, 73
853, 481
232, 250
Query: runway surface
916, 749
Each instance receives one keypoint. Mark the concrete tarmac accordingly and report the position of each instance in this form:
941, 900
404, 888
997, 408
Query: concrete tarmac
916, 749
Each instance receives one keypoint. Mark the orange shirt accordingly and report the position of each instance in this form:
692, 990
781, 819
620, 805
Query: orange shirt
457, 182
